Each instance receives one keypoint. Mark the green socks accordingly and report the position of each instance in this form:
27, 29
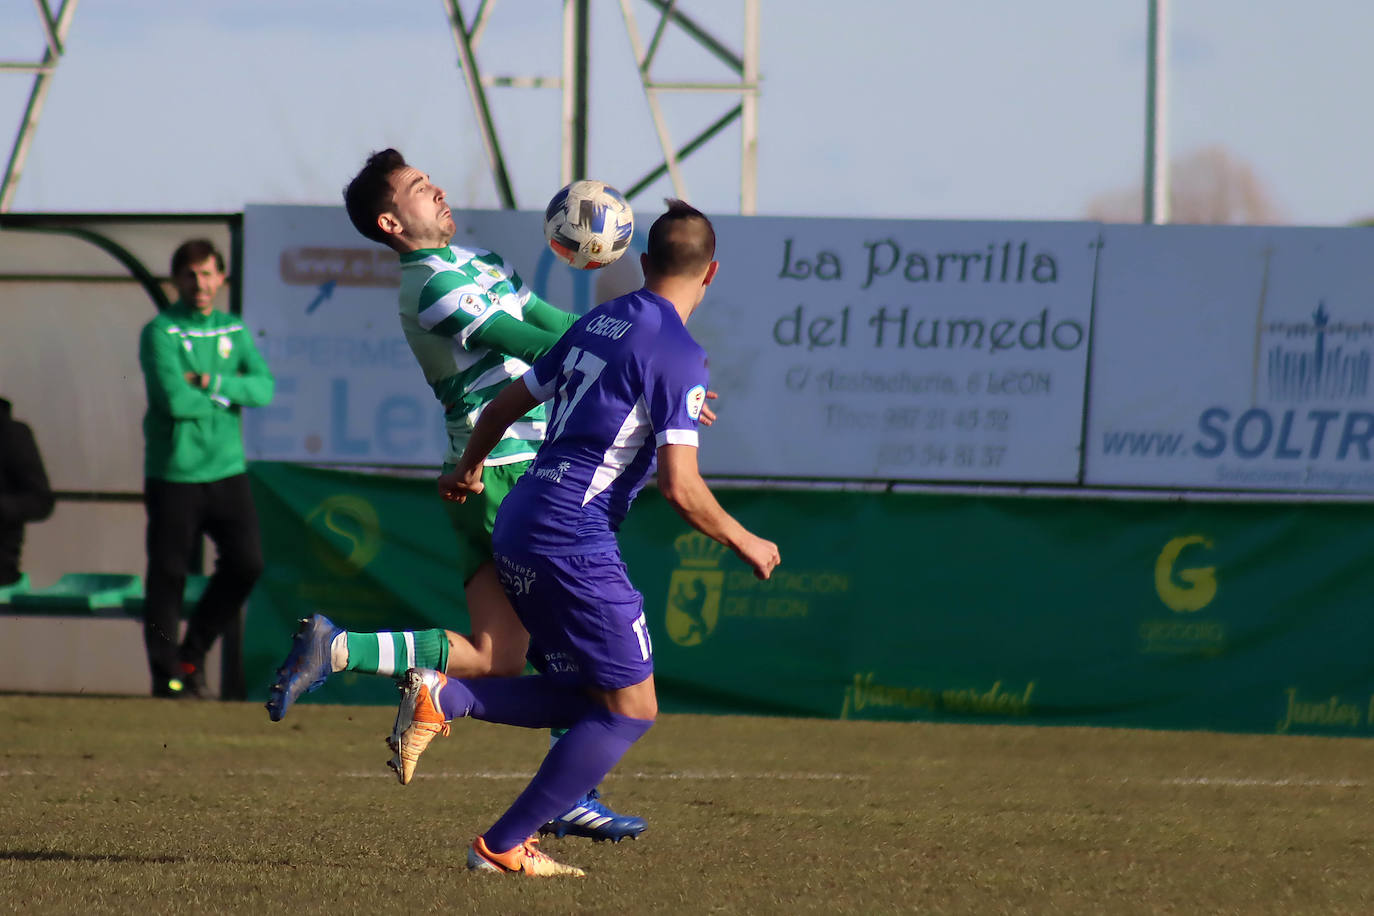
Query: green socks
391, 654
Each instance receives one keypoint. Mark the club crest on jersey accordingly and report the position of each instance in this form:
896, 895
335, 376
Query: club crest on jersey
226, 346
696, 399
473, 305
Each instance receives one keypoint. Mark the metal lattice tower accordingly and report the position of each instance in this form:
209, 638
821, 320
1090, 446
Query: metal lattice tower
55, 28
742, 83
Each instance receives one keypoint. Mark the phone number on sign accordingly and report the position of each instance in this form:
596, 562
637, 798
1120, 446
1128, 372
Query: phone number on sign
939, 455
928, 419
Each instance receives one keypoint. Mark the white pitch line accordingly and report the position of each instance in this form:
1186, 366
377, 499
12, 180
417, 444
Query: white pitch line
724, 775
1246, 782
685, 775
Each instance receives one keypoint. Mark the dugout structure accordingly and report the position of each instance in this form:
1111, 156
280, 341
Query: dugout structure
76, 290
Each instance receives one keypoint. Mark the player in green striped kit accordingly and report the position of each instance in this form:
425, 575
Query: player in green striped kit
474, 327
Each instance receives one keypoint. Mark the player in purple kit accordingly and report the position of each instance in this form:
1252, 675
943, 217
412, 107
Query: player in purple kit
627, 383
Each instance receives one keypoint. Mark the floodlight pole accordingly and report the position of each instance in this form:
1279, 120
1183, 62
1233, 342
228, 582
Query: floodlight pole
749, 113
576, 51
1155, 207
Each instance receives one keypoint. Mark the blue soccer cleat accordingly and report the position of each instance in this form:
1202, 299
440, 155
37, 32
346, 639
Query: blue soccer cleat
307, 666
593, 820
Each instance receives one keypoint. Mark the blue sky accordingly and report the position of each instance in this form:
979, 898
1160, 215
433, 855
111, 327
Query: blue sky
989, 109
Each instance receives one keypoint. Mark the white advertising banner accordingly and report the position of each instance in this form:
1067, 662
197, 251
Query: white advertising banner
844, 349
897, 350
1234, 359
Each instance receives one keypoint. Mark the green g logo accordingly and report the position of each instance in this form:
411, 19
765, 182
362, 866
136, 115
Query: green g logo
351, 537
1191, 588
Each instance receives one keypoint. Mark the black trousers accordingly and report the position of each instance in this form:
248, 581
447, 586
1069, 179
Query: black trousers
178, 515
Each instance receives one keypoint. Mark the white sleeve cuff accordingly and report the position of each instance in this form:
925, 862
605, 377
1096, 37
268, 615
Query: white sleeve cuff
541, 392
677, 437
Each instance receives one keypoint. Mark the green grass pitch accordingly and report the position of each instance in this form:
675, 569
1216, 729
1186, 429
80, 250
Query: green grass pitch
117, 805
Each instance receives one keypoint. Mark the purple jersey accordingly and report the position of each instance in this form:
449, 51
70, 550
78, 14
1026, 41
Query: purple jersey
624, 380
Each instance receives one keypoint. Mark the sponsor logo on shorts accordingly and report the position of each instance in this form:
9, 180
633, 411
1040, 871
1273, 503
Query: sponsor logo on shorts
560, 663
516, 579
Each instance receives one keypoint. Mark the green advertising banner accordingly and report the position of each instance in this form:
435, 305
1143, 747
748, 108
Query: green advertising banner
1159, 614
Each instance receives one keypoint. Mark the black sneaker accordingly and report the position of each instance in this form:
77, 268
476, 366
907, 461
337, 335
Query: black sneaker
193, 684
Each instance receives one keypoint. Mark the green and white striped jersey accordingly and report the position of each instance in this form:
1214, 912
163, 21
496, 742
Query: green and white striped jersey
474, 327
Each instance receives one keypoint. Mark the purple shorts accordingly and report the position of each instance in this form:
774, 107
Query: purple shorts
585, 619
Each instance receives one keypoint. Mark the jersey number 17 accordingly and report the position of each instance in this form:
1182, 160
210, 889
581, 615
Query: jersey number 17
580, 370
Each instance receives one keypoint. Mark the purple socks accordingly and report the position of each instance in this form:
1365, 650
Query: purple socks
529, 702
595, 741
579, 761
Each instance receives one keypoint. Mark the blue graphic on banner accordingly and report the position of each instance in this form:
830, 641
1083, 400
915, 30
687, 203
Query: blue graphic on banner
326, 290
1326, 368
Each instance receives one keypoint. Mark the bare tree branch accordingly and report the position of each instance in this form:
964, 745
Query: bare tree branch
1208, 186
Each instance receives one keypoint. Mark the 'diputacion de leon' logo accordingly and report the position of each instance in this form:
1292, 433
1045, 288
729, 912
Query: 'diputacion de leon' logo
694, 590
345, 533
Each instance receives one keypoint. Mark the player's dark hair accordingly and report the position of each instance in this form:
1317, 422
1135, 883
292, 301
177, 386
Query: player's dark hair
681, 242
369, 194
193, 252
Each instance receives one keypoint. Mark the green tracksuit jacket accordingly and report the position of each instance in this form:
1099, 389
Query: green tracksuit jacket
193, 435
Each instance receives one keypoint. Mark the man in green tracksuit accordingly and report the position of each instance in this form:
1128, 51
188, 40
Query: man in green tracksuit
200, 368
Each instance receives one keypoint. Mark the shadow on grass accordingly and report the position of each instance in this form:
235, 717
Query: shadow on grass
57, 855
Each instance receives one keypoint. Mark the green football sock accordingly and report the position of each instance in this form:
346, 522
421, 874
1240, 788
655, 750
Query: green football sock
392, 654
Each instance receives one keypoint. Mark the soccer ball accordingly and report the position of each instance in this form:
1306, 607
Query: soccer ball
588, 224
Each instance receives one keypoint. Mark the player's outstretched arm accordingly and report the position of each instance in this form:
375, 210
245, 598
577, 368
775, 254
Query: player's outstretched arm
510, 405
513, 337
680, 480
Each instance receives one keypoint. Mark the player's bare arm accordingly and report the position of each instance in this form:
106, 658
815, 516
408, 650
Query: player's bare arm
510, 405
708, 416
680, 480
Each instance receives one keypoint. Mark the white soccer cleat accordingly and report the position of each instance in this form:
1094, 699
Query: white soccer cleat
418, 721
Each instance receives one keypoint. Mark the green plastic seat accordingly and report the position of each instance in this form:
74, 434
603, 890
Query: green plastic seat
77, 593
14, 588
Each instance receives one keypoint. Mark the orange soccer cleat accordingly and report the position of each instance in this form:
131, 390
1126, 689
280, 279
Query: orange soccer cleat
525, 859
